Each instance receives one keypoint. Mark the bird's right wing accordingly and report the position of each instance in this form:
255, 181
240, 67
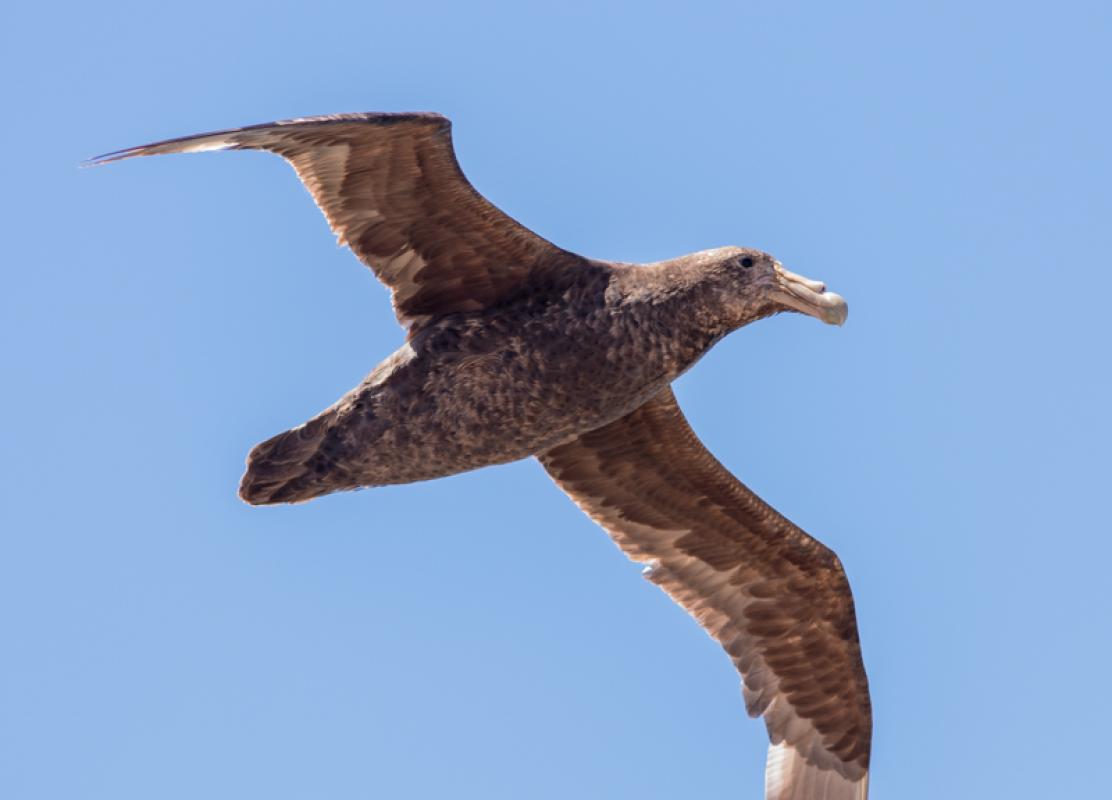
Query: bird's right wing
776, 599
392, 190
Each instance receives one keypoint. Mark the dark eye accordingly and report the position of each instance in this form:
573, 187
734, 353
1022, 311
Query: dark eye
747, 262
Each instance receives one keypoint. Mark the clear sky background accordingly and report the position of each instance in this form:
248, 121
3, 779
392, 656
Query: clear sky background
946, 169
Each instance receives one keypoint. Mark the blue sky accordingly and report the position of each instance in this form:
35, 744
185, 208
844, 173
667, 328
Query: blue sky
946, 169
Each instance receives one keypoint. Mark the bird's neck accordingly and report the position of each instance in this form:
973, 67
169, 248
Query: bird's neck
676, 312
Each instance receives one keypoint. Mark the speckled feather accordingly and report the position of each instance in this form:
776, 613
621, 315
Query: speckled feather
517, 348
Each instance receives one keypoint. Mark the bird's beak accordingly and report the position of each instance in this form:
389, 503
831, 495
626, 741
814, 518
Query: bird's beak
809, 297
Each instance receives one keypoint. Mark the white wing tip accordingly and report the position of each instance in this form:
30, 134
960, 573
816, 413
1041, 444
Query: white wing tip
788, 776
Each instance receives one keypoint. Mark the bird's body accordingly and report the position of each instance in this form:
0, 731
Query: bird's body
487, 387
517, 348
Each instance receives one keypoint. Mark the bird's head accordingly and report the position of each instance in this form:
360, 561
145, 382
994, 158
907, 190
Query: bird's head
753, 284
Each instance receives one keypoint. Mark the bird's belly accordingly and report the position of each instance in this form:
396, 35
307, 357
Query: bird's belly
460, 412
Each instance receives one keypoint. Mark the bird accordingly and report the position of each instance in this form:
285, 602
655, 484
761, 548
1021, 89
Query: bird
517, 348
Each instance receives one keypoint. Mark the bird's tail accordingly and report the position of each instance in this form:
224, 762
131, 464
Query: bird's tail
291, 467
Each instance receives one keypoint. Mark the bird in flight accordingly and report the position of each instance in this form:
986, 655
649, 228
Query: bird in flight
515, 348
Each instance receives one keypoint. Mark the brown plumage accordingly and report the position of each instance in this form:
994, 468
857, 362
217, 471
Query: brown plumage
776, 599
516, 348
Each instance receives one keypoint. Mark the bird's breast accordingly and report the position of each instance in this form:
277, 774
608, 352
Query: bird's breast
521, 384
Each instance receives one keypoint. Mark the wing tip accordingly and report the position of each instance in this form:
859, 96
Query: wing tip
222, 140
108, 158
789, 776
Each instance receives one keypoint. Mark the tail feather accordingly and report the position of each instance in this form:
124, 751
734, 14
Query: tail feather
289, 468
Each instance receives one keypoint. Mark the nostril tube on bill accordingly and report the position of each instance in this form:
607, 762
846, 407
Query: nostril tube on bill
814, 286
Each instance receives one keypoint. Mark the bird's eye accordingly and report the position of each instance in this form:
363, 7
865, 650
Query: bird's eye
746, 262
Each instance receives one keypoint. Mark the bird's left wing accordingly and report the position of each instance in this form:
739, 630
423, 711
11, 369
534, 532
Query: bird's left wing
392, 190
776, 599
